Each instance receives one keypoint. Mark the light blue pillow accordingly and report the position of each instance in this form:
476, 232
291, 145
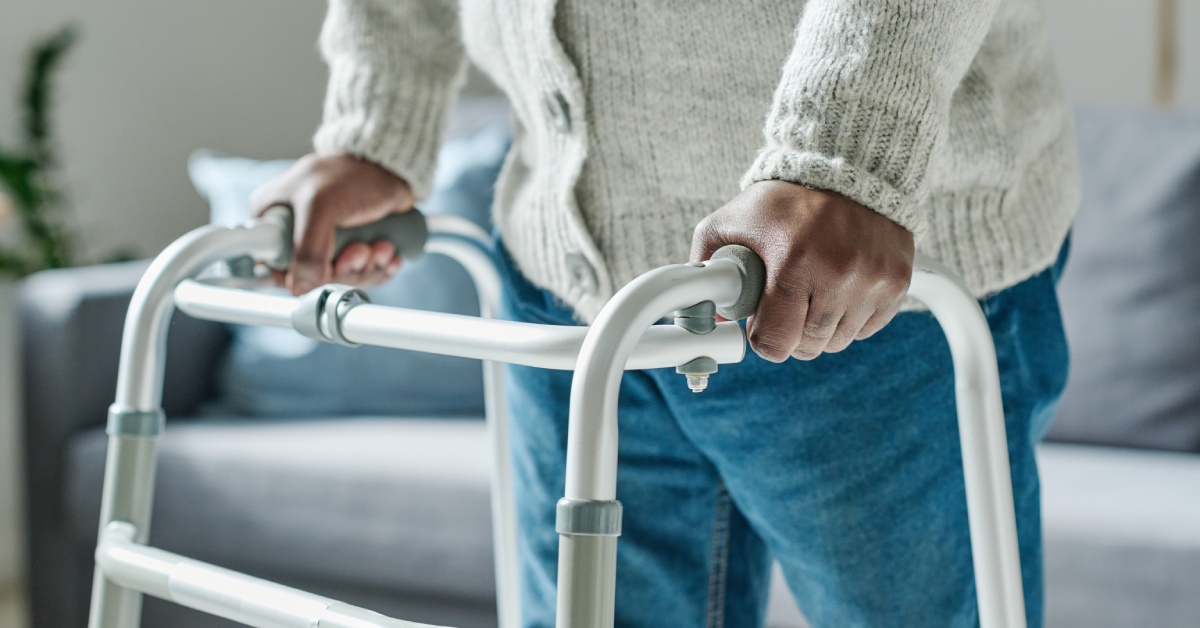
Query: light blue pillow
272, 372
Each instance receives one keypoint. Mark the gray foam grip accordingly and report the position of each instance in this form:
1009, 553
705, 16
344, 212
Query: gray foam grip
407, 232
754, 277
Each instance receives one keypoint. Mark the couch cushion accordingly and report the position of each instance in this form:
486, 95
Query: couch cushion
399, 505
1131, 290
1122, 531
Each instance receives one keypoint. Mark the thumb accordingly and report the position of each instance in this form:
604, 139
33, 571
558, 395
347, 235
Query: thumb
707, 238
312, 258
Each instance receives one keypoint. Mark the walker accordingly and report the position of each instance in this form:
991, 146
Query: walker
624, 337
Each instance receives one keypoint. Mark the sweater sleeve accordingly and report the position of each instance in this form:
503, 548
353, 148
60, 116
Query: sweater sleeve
865, 97
394, 68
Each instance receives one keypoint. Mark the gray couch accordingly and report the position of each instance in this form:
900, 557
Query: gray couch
393, 514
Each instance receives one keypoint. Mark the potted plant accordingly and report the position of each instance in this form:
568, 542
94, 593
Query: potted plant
34, 235
32, 198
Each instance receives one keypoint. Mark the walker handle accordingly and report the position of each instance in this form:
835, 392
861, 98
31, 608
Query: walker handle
406, 231
754, 277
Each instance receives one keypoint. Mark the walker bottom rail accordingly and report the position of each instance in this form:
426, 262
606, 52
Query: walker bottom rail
225, 593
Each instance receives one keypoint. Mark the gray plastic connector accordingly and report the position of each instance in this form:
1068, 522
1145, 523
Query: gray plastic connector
585, 517
240, 267
700, 318
318, 314
135, 423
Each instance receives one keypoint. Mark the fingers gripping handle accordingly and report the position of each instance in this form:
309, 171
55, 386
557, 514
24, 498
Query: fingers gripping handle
407, 232
754, 277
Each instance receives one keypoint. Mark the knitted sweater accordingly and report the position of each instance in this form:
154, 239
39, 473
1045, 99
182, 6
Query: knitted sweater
633, 121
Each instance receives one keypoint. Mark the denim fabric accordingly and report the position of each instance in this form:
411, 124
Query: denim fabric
846, 469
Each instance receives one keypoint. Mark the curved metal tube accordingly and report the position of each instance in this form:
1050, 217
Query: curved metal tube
129, 474
451, 225
129, 468
504, 516
984, 443
592, 433
139, 380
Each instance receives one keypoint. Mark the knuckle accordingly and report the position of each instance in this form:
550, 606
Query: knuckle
262, 196
706, 226
886, 314
805, 354
307, 256
838, 343
707, 230
790, 286
769, 345
896, 285
841, 270
866, 332
810, 347
319, 197
820, 326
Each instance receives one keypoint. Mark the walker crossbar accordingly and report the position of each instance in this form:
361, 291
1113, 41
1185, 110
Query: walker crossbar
222, 592
529, 344
589, 517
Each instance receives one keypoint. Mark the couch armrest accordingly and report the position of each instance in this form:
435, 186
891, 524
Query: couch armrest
71, 322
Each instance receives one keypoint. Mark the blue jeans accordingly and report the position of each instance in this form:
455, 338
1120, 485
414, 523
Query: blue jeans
845, 469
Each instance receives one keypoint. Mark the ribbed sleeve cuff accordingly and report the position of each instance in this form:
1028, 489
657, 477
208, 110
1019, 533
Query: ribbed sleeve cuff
396, 126
838, 175
872, 150
865, 98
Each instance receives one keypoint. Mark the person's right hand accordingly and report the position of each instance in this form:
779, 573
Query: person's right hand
330, 191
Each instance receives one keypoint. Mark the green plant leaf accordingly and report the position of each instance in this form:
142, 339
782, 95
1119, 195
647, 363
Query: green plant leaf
13, 265
38, 97
31, 178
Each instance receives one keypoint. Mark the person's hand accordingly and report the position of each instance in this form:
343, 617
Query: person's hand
836, 270
330, 191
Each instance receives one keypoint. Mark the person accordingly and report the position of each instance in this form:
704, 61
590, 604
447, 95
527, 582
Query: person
890, 126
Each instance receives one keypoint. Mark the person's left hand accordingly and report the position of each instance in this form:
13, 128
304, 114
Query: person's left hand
837, 271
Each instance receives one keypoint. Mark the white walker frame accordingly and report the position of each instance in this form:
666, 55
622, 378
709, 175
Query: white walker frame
623, 337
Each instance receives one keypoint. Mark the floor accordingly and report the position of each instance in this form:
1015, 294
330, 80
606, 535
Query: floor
12, 607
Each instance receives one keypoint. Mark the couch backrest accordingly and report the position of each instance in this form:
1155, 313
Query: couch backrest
1131, 289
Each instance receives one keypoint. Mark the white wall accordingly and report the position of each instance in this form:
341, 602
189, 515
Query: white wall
1106, 50
149, 82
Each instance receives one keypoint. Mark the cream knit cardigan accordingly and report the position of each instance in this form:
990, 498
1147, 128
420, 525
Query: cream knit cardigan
634, 120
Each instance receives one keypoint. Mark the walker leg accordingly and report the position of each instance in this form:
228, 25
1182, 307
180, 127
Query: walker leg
504, 515
128, 496
587, 581
587, 562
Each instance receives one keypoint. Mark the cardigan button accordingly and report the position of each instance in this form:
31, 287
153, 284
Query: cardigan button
581, 272
559, 111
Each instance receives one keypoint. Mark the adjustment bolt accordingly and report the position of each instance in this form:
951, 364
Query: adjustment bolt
697, 372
